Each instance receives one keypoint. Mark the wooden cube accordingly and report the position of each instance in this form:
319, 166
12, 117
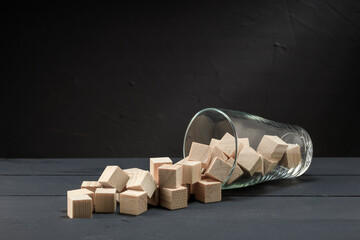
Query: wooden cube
191, 172
214, 141
83, 191
272, 147
188, 186
114, 177
133, 202
292, 156
155, 199
173, 198
249, 160
269, 165
237, 172
208, 190
227, 144
105, 200
155, 163
200, 153
91, 185
216, 152
170, 176
218, 169
79, 206
142, 181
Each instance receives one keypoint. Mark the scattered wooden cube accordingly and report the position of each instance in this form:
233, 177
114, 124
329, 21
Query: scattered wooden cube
216, 152
249, 160
207, 191
155, 163
214, 141
200, 153
142, 181
191, 172
114, 177
292, 156
90, 185
173, 198
218, 169
227, 144
83, 191
188, 186
170, 176
155, 199
269, 165
105, 200
272, 147
237, 172
133, 202
79, 206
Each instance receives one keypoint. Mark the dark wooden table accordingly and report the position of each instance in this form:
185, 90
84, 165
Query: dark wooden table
324, 203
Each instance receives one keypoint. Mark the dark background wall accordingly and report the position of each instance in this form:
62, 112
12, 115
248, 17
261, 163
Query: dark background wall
118, 80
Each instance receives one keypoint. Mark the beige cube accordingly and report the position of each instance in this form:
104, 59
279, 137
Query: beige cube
132, 171
208, 190
249, 160
188, 186
292, 156
79, 206
218, 169
142, 181
155, 163
173, 198
200, 153
170, 176
216, 152
191, 172
155, 199
237, 172
105, 200
133, 202
114, 177
227, 144
80, 192
261, 169
90, 185
272, 147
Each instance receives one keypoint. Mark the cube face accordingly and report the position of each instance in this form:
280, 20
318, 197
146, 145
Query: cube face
170, 176
181, 162
91, 185
200, 153
132, 171
227, 145
191, 172
79, 206
272, 147
105, 200
155, 163
114, 177
237, 172
208, 191
172, 199
292, 156
155, 199
218, 170
142, 181
269, 165
261, 169
249, 160
214, 142
133, 202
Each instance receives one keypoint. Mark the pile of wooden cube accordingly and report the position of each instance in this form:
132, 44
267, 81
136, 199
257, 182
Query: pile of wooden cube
170, 185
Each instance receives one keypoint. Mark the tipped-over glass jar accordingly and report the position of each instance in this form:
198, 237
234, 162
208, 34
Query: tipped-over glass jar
213, 123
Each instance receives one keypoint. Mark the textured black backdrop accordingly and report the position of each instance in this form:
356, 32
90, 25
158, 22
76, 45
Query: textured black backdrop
118, 80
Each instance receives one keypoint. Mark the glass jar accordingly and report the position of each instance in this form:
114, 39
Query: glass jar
212, 123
